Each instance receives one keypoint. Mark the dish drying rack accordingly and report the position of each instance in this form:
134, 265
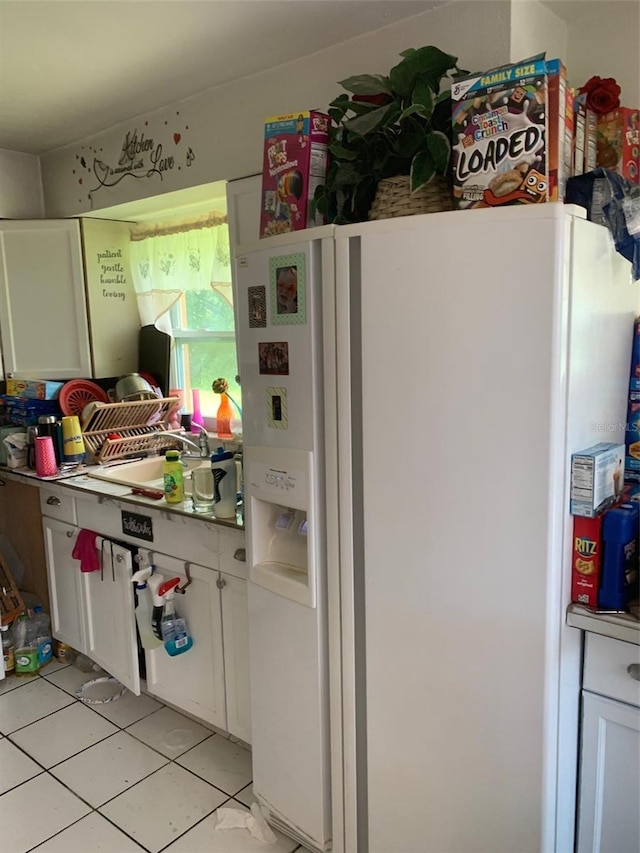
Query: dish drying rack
136, 422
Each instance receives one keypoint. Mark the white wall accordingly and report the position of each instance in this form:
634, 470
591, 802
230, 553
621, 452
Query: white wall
536, 29
606, 42
21, 195
223, 127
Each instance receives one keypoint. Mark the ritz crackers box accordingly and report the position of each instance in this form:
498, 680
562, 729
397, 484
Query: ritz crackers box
586, 561
294, 163
512, 135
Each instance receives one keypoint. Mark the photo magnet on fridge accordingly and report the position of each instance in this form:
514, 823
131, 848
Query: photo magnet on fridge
257, 297
273, 358
288, 291
277, 409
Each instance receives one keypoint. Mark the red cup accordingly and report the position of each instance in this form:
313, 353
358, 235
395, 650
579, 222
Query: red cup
46, 465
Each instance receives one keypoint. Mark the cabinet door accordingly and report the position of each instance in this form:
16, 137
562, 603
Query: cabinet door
243, 210
235, 629
194, 680
65, 584
43, 318
609, 779
110, 616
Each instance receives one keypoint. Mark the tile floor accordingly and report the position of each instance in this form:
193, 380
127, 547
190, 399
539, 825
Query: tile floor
130, 775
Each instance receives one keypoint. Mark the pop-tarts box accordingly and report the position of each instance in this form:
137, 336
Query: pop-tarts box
597, 478
634, 379
33, 389
293, 165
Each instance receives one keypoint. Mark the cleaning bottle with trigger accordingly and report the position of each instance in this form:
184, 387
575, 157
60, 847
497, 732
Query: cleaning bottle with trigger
175, 633
144, 608
154, 583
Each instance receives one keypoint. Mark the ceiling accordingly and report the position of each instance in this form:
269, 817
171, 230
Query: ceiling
73, 68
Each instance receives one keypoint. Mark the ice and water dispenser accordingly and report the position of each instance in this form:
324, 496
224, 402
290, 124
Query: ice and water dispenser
280, 496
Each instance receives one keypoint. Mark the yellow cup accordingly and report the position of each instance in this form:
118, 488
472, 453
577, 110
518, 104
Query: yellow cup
73, 449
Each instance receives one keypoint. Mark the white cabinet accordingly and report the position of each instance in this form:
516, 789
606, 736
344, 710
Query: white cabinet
609, 794
67, 303
243, 210
65, 584
43, 316
110, 628
193, 681
235, 625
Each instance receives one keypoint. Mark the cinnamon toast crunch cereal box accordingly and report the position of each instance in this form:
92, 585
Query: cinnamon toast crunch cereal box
512, 135
294, 163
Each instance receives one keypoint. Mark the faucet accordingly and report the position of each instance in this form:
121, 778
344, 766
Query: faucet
201, 448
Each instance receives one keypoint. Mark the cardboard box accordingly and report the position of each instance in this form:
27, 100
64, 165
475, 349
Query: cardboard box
512, 135
294, 163
33, 389
586, 562
584, 137
632, 438
618, 143
11, 603
597, 478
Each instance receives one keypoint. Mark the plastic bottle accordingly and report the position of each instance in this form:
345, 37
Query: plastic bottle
173, 478
154, 583
175, 633
144, 609
43, 635
8, 650
26, 646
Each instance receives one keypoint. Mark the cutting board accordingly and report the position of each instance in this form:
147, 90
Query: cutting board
155, 355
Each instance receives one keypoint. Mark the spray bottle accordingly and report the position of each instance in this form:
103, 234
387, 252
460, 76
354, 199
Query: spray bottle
174, 629
144, 608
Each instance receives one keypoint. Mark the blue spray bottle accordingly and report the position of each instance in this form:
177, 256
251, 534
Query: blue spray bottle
175, 633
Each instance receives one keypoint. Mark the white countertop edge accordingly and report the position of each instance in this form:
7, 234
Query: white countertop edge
618, 626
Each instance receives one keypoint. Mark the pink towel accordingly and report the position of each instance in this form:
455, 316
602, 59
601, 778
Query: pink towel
85, 551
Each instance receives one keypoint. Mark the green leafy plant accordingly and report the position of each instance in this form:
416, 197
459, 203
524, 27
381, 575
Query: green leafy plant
399, 124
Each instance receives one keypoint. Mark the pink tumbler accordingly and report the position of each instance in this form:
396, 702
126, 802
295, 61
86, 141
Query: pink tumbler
46, 465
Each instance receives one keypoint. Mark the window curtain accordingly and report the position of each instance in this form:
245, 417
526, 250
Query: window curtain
167, 260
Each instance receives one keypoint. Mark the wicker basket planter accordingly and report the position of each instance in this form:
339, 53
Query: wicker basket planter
393, 198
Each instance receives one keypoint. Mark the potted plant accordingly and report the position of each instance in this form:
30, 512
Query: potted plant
394, 125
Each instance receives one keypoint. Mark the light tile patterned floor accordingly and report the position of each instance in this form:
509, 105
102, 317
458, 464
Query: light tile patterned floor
127, 776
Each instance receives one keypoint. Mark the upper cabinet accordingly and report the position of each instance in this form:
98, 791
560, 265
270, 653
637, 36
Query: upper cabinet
243, 210
55, 322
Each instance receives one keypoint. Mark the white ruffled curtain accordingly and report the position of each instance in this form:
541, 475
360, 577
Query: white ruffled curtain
167, 260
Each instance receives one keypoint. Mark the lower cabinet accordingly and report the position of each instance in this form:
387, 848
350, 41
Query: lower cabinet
609, 791
65, 584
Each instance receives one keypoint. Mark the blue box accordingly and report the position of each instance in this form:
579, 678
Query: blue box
619, 583
597, 478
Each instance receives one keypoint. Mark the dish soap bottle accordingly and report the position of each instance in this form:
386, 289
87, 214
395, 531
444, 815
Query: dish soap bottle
175, 633
8, 650
26, 645
173, 478
144, 609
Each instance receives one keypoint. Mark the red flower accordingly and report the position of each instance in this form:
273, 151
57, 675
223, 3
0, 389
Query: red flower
379, 100
602, 95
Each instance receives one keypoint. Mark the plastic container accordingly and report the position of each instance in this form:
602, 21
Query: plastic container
173, 478
43, 635
225, 477
175, 633
8, 649
144, 609
619, 583
26, 646
196, 418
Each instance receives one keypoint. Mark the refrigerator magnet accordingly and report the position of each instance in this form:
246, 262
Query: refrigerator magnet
277, 411
257, 307
288, 290
273, 358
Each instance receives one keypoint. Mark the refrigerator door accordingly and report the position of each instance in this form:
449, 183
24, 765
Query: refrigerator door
279, 303
454, 365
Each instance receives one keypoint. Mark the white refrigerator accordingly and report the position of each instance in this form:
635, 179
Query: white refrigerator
412, 392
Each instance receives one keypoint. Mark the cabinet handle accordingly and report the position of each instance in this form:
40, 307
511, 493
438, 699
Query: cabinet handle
221, 583
634, 670
241, 555
53, 501
70, 534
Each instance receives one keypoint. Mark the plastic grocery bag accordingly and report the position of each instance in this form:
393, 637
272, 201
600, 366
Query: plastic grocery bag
252, 820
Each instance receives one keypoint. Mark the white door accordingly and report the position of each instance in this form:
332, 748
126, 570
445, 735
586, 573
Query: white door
65, 584
194, 680
43, 317
110, 617
235, 630
608, 820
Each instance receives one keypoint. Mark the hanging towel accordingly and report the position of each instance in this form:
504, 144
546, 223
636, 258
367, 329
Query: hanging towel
85, 551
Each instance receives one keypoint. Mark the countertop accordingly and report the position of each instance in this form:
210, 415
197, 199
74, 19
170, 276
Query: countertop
619, 626
80, 481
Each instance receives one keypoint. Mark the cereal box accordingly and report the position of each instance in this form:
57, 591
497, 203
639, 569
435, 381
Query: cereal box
293, 165
586, 562
596, 478
512, 135
618, 143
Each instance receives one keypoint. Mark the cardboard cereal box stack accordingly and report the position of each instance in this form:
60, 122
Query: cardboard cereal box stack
294, 163
618, 143
512, 134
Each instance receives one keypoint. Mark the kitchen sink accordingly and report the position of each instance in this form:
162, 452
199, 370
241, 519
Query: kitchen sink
145, 473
